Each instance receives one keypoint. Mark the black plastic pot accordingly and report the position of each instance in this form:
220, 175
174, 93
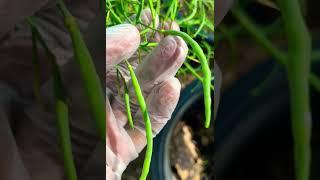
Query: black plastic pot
253, 131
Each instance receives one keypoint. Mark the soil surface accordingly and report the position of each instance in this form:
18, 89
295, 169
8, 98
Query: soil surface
185, 159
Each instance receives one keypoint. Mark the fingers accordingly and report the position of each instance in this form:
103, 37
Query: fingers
134, 60
162, 63
168, 25
146, 18
121, 42
118, 141
161, 103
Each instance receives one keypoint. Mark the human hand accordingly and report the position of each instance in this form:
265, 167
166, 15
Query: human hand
156, 77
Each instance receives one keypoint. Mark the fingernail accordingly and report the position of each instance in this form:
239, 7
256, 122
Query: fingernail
120, 30
181, 43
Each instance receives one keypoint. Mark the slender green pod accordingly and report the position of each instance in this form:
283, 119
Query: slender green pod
298, 69
146, 118
205, 69
93, 87
62, 113
61, 108
128, 109
126, 99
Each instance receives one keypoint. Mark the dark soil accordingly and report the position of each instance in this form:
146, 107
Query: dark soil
186, 162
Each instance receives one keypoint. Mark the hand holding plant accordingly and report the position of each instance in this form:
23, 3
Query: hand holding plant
161, 90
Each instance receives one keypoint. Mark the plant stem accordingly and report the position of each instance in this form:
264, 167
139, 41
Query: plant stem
258, 36
255, 32
298, 71
195, 74
139, 11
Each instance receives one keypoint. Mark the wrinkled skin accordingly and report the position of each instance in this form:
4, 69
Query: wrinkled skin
156, 77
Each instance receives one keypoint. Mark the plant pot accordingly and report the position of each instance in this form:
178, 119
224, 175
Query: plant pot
252, 132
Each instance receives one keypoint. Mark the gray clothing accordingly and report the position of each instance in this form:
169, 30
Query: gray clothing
29, 147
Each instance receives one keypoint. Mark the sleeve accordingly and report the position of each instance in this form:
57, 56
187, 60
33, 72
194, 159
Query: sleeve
11, 162
15, 11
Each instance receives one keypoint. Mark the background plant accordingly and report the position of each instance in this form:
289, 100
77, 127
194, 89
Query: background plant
296, 61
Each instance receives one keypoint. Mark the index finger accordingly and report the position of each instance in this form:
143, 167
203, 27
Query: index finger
121, 42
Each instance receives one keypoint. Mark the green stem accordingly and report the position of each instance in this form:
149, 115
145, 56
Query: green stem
195, 74
193, 13
203, 21
298, 72
259, 37
255, 32
139, 11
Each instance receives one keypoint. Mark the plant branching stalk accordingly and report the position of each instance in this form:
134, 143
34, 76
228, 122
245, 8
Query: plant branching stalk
93, 87
298, 73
